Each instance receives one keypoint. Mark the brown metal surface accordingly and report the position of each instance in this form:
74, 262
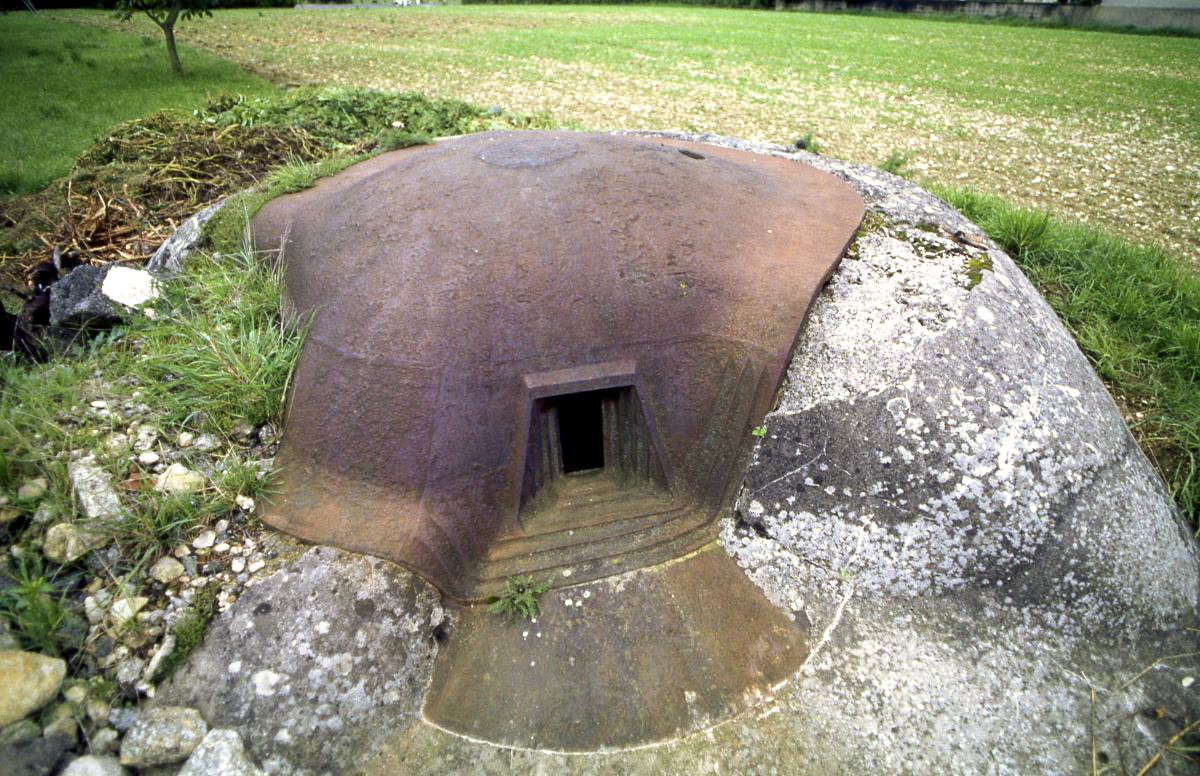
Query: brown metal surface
466, 290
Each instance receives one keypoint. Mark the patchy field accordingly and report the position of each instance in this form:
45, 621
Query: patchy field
1098, 127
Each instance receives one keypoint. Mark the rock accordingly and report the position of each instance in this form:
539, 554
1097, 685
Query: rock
45, 514
96, 496
205, 540
103, 741
20, 732
76, 694
36, 757
126, 607
166, 569
316, 663
123, 719
146, 438
185, 439
129, 287
8, 514
178, 480
60, 721
205, 443
129, 672
95, 607
172, 254
66, 542
245, 503
116, 444
32, 489
91, 765
162, 735
76, 300
221, 753
160, 654
98, 710
28, 681
148, 458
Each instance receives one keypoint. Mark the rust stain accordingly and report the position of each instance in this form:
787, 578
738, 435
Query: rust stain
477, 297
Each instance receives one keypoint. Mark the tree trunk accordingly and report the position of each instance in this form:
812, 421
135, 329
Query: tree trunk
168, 28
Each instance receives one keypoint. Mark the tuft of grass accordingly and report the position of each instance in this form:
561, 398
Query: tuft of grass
158, 521
33, 599
519, 598
1135, 312
895, 163
223, 355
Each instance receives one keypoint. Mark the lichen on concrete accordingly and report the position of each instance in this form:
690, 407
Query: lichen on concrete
317, 662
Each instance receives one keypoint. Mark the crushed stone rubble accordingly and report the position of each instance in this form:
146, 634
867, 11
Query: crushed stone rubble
76, 715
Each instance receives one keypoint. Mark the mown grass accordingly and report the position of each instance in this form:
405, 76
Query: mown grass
1135, 312
1092, 126
65, 85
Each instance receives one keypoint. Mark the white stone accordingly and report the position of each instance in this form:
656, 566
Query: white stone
32, 489
178, 480
162, 735
166, 569
237, 565
130, 287
91, 765
126, 608
116, 443
148, 458
146, 437
221, 753
185, 439
66, 542
245, 503
96, 496
206, 539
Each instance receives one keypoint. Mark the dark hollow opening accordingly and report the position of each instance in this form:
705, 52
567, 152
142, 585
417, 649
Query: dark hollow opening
581, 430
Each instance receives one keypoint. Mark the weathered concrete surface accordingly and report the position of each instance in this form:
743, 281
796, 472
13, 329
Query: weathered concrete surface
315, 664
623, 661
1011, 591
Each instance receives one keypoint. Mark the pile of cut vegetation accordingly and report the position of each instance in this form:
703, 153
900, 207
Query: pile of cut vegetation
130, 190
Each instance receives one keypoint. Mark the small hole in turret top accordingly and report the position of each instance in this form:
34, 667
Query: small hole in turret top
690, 154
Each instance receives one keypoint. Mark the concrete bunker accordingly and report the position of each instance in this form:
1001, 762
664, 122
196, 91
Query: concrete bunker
540, 352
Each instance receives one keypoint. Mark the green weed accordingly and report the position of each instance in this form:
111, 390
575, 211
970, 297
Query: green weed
33, 599
189, 631
519, 598
895, 162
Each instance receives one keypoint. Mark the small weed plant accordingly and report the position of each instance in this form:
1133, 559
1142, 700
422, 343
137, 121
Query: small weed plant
519, 598
33, 599
895, 163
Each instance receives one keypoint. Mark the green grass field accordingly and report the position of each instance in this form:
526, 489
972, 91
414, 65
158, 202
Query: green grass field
65, 86
1096, 127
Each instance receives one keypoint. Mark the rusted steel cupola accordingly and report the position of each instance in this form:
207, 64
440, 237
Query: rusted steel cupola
534, 351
